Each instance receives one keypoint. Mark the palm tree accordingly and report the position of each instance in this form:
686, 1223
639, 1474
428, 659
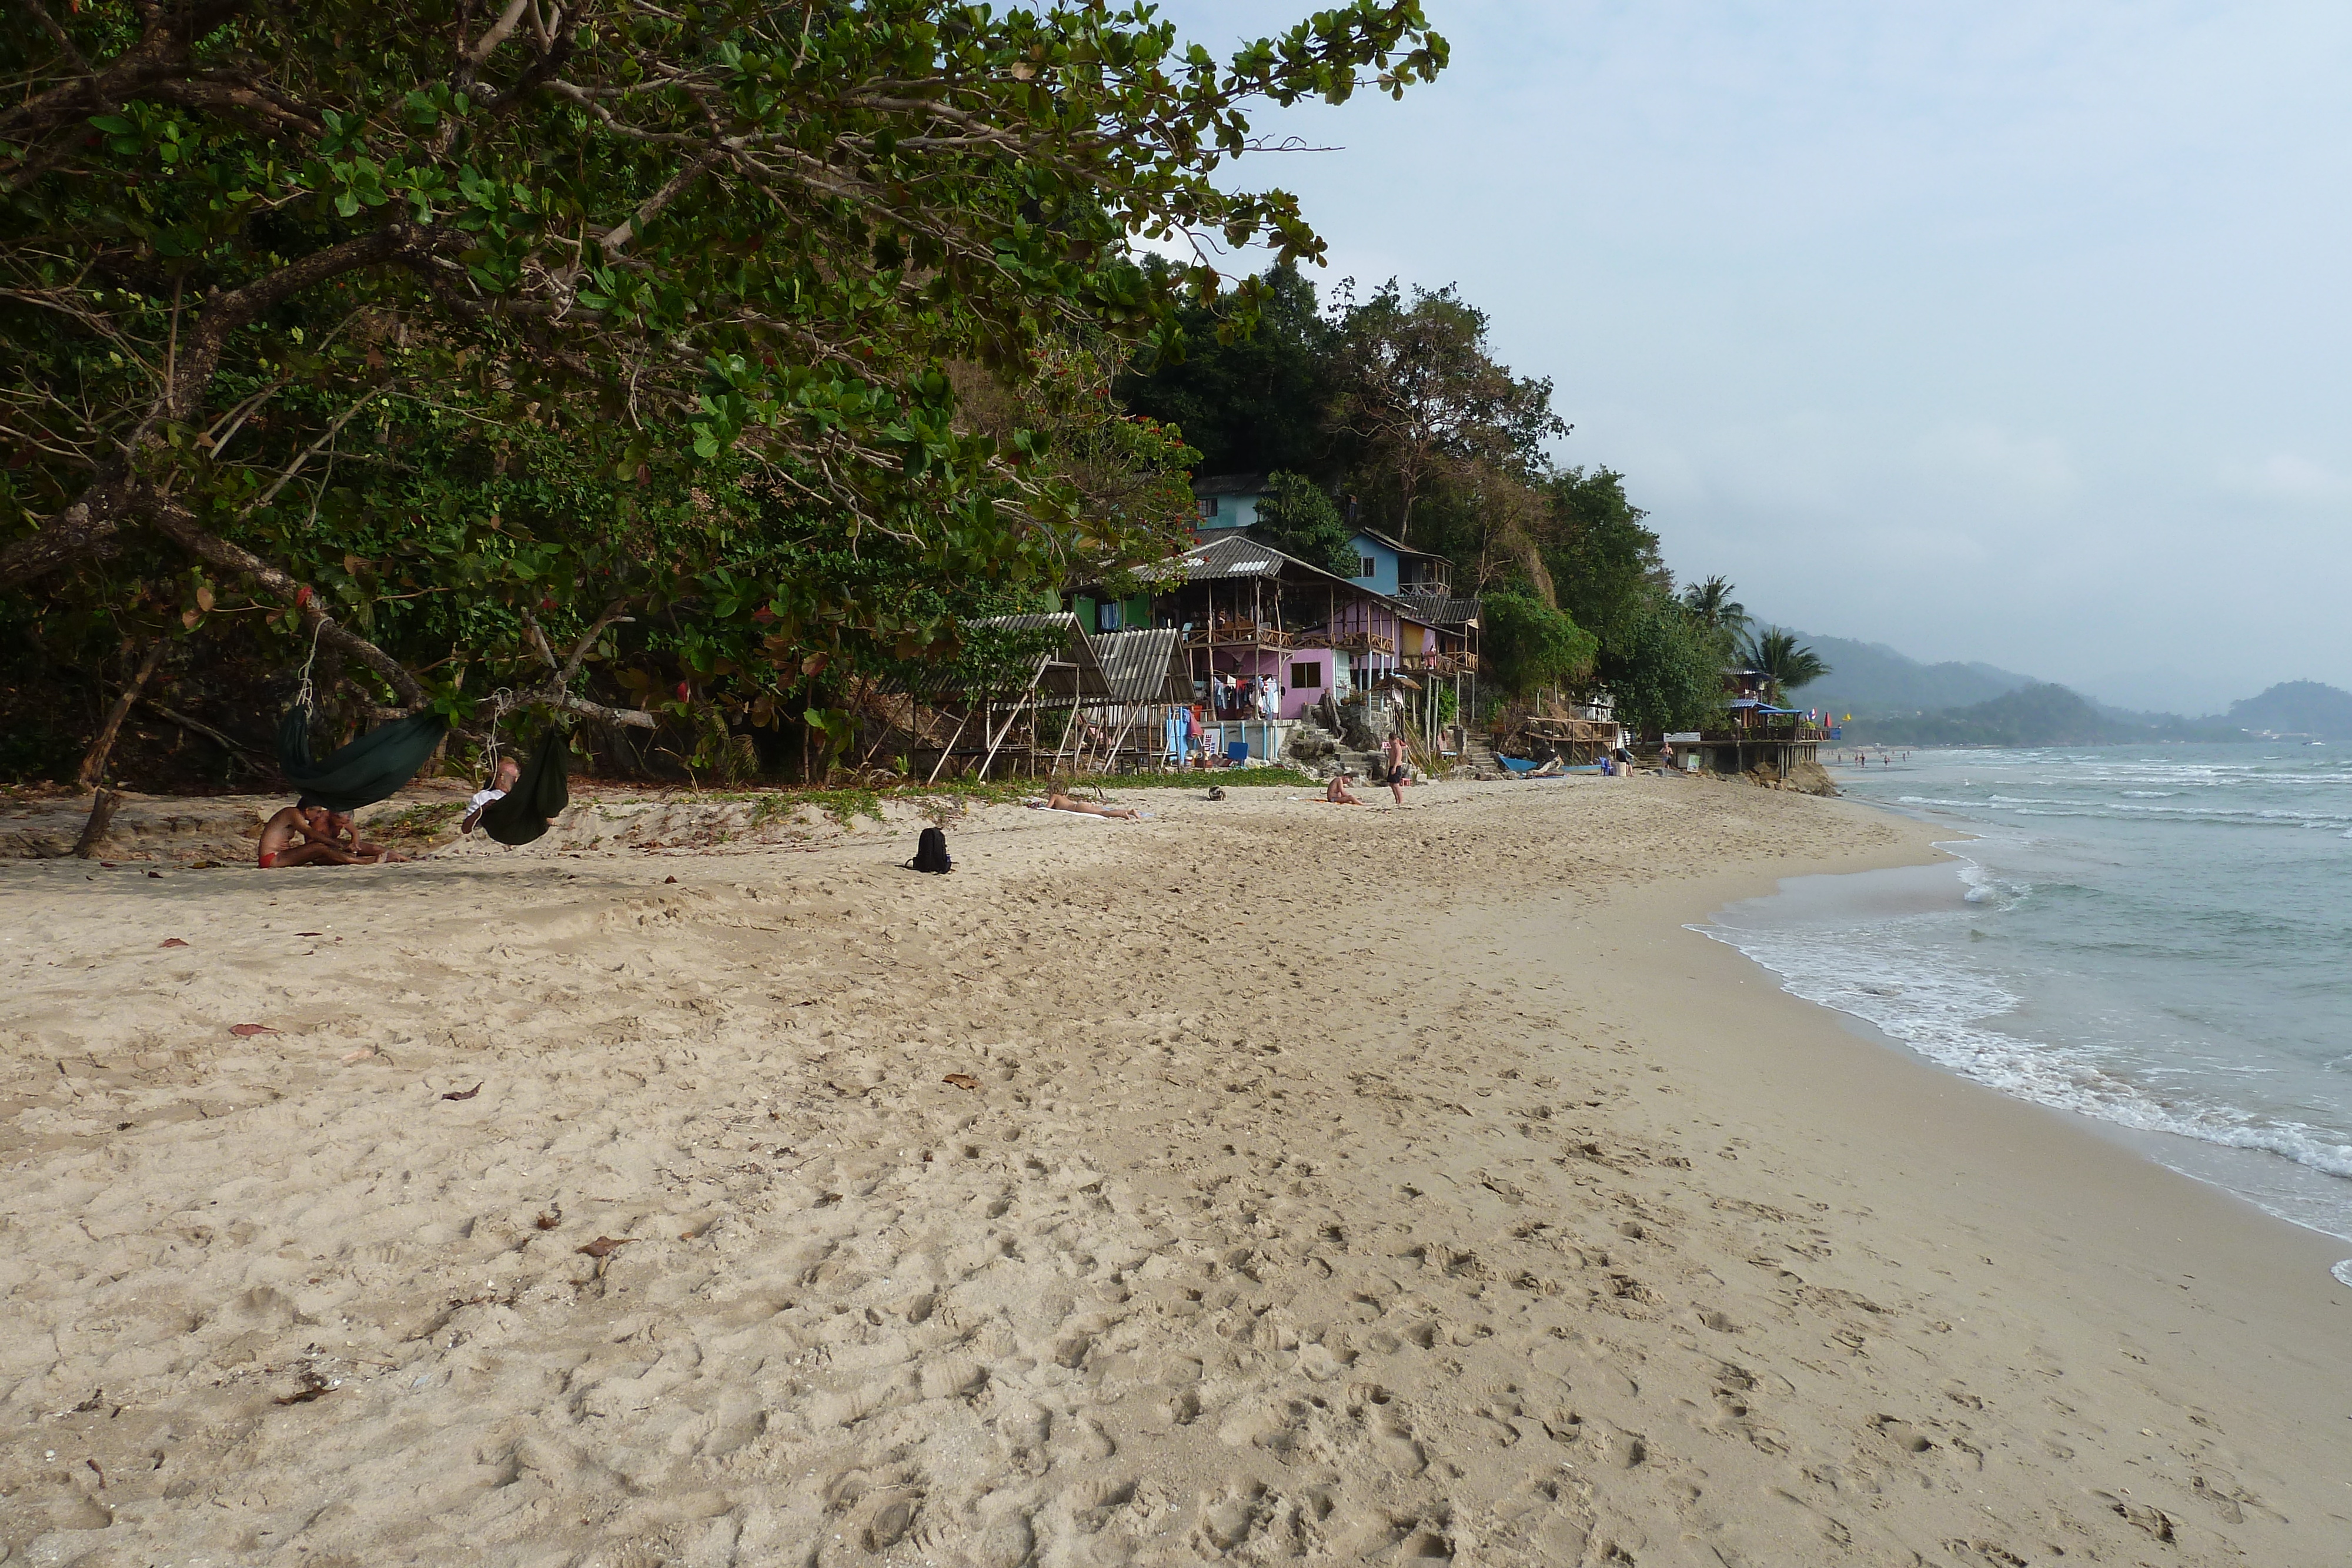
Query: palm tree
1785, 666
1711, 604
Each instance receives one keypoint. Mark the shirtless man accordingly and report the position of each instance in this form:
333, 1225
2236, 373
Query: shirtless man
1392, 771
502, 779
1057, 801
297, 835
1337, 793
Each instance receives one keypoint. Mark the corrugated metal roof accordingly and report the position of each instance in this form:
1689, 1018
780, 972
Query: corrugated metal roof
1145, 667
1074, 674
1441, 608
1230, 484
1236, 555
1398, 545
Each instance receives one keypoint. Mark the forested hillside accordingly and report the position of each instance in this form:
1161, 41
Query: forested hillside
2298, 707
1870, 679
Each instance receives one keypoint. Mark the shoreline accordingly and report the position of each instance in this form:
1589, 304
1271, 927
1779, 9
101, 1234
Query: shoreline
1336, 1182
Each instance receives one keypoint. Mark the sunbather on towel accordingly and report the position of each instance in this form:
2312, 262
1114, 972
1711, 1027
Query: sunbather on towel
502, 779
1337, 791
297, 835
1057, 801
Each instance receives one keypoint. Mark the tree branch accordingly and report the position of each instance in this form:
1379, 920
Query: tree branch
179, 525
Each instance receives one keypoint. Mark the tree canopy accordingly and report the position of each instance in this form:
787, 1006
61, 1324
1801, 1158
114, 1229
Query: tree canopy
528, 338
1297, 518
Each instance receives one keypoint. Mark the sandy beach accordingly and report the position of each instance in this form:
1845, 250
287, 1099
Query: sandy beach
1264, 1180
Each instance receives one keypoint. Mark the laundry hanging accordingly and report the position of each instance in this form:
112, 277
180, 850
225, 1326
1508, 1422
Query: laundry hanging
367, 770
540, 794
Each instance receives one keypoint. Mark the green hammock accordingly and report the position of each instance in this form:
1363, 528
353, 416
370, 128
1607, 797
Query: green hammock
521, 814
367, 770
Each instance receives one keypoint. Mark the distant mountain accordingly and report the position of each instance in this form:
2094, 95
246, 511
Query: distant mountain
2030, 716
1871, 678
2297, 708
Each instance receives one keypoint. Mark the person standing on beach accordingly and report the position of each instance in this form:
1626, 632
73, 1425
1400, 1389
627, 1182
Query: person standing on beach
1392, 765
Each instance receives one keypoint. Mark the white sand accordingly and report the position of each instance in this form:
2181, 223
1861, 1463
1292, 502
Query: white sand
1352, 1185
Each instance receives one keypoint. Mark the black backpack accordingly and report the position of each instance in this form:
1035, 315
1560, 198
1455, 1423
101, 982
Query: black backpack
931, 854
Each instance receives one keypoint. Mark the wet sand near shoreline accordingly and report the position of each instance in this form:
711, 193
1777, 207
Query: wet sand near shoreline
1267, 1180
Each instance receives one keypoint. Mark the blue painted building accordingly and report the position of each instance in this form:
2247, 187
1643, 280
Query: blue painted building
1390, 566
1228, 500
1384, 564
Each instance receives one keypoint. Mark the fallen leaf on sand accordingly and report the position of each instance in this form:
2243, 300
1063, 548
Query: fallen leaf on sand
157, 874
101, 1474
361, 1054
171, 942
107, 864
248, 1030
669, 879
603, 1246
310, 933
466, 1095
962, 1079
549, 1219
304, 1395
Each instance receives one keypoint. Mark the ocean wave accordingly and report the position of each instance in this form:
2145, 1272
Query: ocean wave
1940, 1007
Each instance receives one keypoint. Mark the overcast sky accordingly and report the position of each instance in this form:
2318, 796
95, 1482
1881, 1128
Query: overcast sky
2017, 332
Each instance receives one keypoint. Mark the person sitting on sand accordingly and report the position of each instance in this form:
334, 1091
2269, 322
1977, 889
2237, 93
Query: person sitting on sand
1336, 792
297, 836
502, 779
1057, 801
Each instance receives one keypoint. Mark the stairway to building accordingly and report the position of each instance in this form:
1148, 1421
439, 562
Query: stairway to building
1478, 756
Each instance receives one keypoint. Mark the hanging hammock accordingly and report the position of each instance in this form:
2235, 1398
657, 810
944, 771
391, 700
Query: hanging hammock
522, 813
367, 770
370, 768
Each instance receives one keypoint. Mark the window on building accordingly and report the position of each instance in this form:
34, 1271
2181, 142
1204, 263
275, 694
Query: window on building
1208, 506
1366, 566
1306, 677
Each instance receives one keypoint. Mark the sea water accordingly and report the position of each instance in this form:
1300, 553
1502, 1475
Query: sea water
2157, 937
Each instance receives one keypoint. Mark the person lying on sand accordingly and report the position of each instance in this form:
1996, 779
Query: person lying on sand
1057, 801
502, 779
1337, 792
297, 835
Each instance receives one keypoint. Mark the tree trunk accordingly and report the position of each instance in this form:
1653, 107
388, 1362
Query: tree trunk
93, 764
101, 818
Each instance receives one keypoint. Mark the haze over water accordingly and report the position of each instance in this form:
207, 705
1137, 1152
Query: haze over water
2154, 936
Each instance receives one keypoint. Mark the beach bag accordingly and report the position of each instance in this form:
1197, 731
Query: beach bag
931, 854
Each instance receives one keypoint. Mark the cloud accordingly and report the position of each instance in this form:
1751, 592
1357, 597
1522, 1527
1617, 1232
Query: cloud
2288, 480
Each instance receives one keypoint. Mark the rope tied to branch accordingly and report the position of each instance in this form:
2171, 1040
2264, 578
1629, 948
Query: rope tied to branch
305, 697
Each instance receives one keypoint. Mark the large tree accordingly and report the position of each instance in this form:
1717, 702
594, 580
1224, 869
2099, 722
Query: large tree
720, 266
1248, 380
1423, 400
